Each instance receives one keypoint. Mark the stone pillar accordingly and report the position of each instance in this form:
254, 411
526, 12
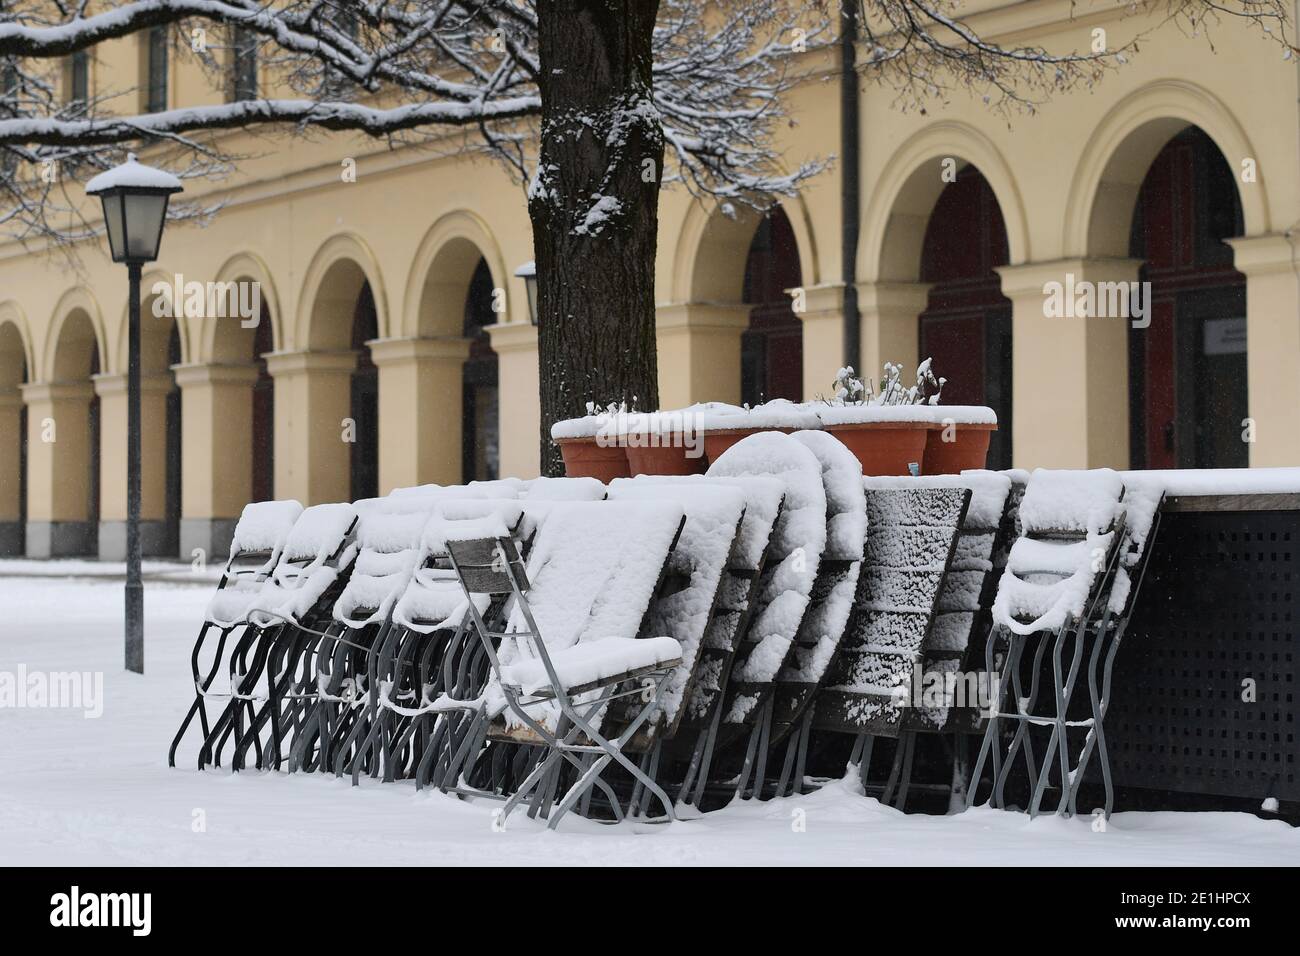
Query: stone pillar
313, 396
111, 390
699, 352
1069, 375
517, 373
216, 442
823, 337
11, 485
1272, 346
59, 458
890, 314
421, 410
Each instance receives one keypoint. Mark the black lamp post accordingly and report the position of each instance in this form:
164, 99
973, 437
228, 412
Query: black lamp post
528, 272
135, 207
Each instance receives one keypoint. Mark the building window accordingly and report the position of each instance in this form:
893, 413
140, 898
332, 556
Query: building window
243, 72
77, 77
155, 74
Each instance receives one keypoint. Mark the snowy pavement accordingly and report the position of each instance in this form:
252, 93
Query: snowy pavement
79, 791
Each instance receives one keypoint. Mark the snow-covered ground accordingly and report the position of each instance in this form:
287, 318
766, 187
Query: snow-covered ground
78, 791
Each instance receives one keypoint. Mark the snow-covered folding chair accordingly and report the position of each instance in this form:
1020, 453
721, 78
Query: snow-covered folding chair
783, 593
571, 645
1057, 588
689, 750
425, 655
290, 606
689, 600
255, 548
388, 541
948, 712
912, 530
823, 624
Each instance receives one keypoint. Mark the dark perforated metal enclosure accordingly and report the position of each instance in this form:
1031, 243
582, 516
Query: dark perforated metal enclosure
1219, 609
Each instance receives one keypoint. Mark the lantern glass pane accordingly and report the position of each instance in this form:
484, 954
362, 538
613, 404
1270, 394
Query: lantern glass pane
144, 223
113, 220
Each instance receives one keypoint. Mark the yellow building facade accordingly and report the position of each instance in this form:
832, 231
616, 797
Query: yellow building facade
394, 344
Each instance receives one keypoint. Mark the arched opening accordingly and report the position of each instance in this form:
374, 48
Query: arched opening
13, 429
262, 437
966, 326
1187, 369
771, 349
74, 443
480, 429
364, 449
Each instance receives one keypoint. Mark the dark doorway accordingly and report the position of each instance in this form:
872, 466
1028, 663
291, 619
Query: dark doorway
1187, 371
92, 456
172, 489
966, 327
480, 427
263, 439
364, 449
771, 351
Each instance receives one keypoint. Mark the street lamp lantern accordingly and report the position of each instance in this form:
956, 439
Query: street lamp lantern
135, 207
135, 200
528, 272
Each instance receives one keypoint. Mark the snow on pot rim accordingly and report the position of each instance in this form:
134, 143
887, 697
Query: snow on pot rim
833, 416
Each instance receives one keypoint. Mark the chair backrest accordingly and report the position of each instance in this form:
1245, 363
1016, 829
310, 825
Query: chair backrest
564, 489
255, 548
1072, 524
912, 534
320, 546
433, 598
388, 550
259, 537
685, 606
592, 572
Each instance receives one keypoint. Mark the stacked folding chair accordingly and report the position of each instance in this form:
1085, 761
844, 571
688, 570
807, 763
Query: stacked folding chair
689, 750
1069, 585
912, 532
823, 624
255, 550
283, 621
779, 601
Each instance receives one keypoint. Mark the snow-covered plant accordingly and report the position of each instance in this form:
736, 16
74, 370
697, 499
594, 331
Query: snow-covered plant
849, 389
926, 391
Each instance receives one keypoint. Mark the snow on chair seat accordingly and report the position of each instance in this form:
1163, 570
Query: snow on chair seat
593, 570
317, 549
388, 551
592, 664
911, 536
433, 599
259, 538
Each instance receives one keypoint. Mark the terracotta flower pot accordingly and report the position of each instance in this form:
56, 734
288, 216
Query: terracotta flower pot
884, 448
717, 442
968, 449
669, 459
584, 458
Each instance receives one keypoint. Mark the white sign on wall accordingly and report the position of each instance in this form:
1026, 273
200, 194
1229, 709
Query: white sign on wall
1225, 336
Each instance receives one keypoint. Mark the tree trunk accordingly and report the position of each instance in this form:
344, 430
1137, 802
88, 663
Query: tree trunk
594, 207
